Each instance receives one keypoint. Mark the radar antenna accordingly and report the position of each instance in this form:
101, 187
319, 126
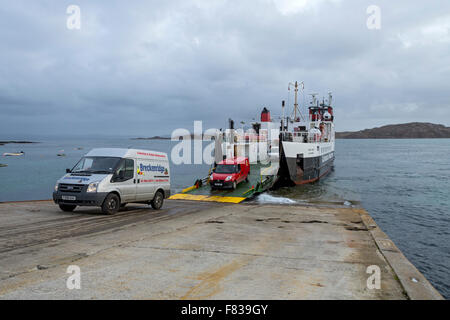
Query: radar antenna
314, 101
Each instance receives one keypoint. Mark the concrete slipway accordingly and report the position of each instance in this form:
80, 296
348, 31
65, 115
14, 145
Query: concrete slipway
201, 250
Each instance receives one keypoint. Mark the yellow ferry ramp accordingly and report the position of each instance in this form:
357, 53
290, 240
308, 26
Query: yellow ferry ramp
185, 196
225, 199
188, 189
199, 197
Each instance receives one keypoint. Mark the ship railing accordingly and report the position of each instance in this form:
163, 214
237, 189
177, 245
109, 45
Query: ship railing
245, 139
302, 137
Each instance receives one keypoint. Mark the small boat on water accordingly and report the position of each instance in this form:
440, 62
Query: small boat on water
3, 165
13, 154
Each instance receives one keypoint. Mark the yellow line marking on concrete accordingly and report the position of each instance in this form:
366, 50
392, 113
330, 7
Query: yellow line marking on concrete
199, 197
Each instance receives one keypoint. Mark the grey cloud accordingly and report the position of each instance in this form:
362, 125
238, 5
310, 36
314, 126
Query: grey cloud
159, 65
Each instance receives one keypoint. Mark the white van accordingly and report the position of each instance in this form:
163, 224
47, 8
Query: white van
111, 178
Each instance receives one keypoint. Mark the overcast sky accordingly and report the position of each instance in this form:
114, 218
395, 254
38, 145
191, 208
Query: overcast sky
142, 68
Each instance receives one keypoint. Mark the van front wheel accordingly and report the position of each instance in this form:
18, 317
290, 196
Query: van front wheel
67, 207
157, 201
111, 204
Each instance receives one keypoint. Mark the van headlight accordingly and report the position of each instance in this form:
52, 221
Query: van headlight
56, 187
228, 178
92, 187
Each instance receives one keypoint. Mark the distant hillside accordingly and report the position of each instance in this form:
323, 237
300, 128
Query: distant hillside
413, 130
192, 137
152, 138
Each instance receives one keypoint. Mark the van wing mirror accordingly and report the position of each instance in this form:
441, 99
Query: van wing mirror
118, 176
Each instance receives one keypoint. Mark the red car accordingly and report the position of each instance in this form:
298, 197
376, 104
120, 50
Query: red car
230, 172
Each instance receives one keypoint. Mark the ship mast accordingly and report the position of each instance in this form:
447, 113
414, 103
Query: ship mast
296, 84
296, 101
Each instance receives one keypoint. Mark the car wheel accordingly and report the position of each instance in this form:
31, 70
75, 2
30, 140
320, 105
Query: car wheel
157, 201
111, 204
67, 207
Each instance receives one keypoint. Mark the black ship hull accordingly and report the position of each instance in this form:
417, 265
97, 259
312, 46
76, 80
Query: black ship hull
304, 168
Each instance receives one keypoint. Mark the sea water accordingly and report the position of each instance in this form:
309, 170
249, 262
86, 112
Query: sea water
403, 184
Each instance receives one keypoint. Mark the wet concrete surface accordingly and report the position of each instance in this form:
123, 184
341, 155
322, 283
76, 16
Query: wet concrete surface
24, 224
193, 250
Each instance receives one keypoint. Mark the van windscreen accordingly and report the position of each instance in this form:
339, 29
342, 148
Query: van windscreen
227, 168
96, 165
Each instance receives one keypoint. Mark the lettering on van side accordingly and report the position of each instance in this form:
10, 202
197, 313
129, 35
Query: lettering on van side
157, 168
151, 154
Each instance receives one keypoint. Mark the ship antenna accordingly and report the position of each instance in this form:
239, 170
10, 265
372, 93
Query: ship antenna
296, 101
314, 99
296, 97
288, 99
303, 93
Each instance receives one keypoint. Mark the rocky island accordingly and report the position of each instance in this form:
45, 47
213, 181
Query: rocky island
152, 138
413, 130
16, 142
191, 136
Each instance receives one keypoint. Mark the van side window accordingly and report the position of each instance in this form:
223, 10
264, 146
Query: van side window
129, 169
125, 170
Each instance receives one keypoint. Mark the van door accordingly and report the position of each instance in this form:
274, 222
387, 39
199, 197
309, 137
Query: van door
146, 170
124, 180
240, 175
